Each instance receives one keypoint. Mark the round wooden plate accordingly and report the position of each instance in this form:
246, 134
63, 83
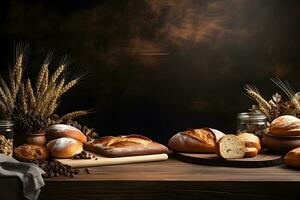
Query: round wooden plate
261, 160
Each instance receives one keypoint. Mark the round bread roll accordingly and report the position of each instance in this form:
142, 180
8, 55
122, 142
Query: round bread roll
64, 147
292, 158
30, 152
63, 130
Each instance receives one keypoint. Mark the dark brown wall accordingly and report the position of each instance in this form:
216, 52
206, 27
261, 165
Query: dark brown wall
158, 67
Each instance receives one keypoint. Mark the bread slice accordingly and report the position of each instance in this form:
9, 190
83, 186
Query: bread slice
231, 147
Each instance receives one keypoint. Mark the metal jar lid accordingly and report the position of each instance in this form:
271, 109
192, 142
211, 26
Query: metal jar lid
6, 123
251, 116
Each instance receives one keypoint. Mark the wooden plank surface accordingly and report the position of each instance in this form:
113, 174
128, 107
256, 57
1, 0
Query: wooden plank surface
174, 170
174, 179
98, 160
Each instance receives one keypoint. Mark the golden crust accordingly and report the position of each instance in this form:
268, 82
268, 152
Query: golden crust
128, 145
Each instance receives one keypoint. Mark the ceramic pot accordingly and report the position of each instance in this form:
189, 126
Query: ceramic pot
280, 144
38, 139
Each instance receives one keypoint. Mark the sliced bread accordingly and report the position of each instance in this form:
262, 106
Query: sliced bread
231, 147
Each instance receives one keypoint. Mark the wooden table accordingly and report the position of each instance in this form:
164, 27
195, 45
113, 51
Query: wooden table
174, 179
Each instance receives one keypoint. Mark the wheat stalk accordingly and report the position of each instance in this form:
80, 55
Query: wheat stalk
40, 78
287, 89
23, 98
57, 73
253, 93
10, 100
30, 93
53, 103
69, 85
3, 96
3, 107
12, 83
73, 115
44, 84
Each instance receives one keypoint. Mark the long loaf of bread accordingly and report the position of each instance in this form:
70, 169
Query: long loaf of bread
129, 145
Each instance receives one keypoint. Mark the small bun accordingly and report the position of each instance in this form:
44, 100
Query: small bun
64, 147
63, 130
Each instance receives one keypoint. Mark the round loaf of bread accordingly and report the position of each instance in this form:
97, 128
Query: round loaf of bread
292, 158
64, 147
30, 152
63, 130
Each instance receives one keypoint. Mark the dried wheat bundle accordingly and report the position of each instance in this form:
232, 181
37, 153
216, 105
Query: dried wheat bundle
31, 107
276, 106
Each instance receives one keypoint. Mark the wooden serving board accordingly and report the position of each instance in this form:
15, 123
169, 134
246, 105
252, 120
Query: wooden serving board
261, 160
100, 160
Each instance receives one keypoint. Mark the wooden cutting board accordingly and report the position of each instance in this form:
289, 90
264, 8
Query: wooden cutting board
100, 160
261, 160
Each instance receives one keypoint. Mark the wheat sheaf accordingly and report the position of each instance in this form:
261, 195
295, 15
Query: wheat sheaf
40, 99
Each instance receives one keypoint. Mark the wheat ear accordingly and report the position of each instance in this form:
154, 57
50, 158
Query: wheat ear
10, 101
53, 103
254, 94
3, 96
30, 93
23, 98
288, 90
74, 114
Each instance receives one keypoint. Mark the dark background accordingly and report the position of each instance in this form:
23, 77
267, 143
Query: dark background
159, 67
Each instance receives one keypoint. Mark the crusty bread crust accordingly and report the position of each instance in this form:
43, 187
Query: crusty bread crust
292, 158
195, 140
250, 140
30, 152
64, 147
285, 125
250, 152
63, 130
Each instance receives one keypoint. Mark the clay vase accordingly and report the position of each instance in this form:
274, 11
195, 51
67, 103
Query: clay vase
38, 139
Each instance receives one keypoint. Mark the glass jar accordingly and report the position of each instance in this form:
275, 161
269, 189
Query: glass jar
6, 137
252, 122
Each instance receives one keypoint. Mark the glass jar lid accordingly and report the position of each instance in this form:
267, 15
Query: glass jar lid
6, 123
252, 116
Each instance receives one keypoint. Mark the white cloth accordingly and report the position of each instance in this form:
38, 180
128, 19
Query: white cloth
29, 173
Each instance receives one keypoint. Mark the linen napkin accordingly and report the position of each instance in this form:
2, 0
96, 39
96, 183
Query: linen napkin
29, 174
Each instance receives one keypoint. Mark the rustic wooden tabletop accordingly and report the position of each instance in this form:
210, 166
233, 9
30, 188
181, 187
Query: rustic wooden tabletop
174, 179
